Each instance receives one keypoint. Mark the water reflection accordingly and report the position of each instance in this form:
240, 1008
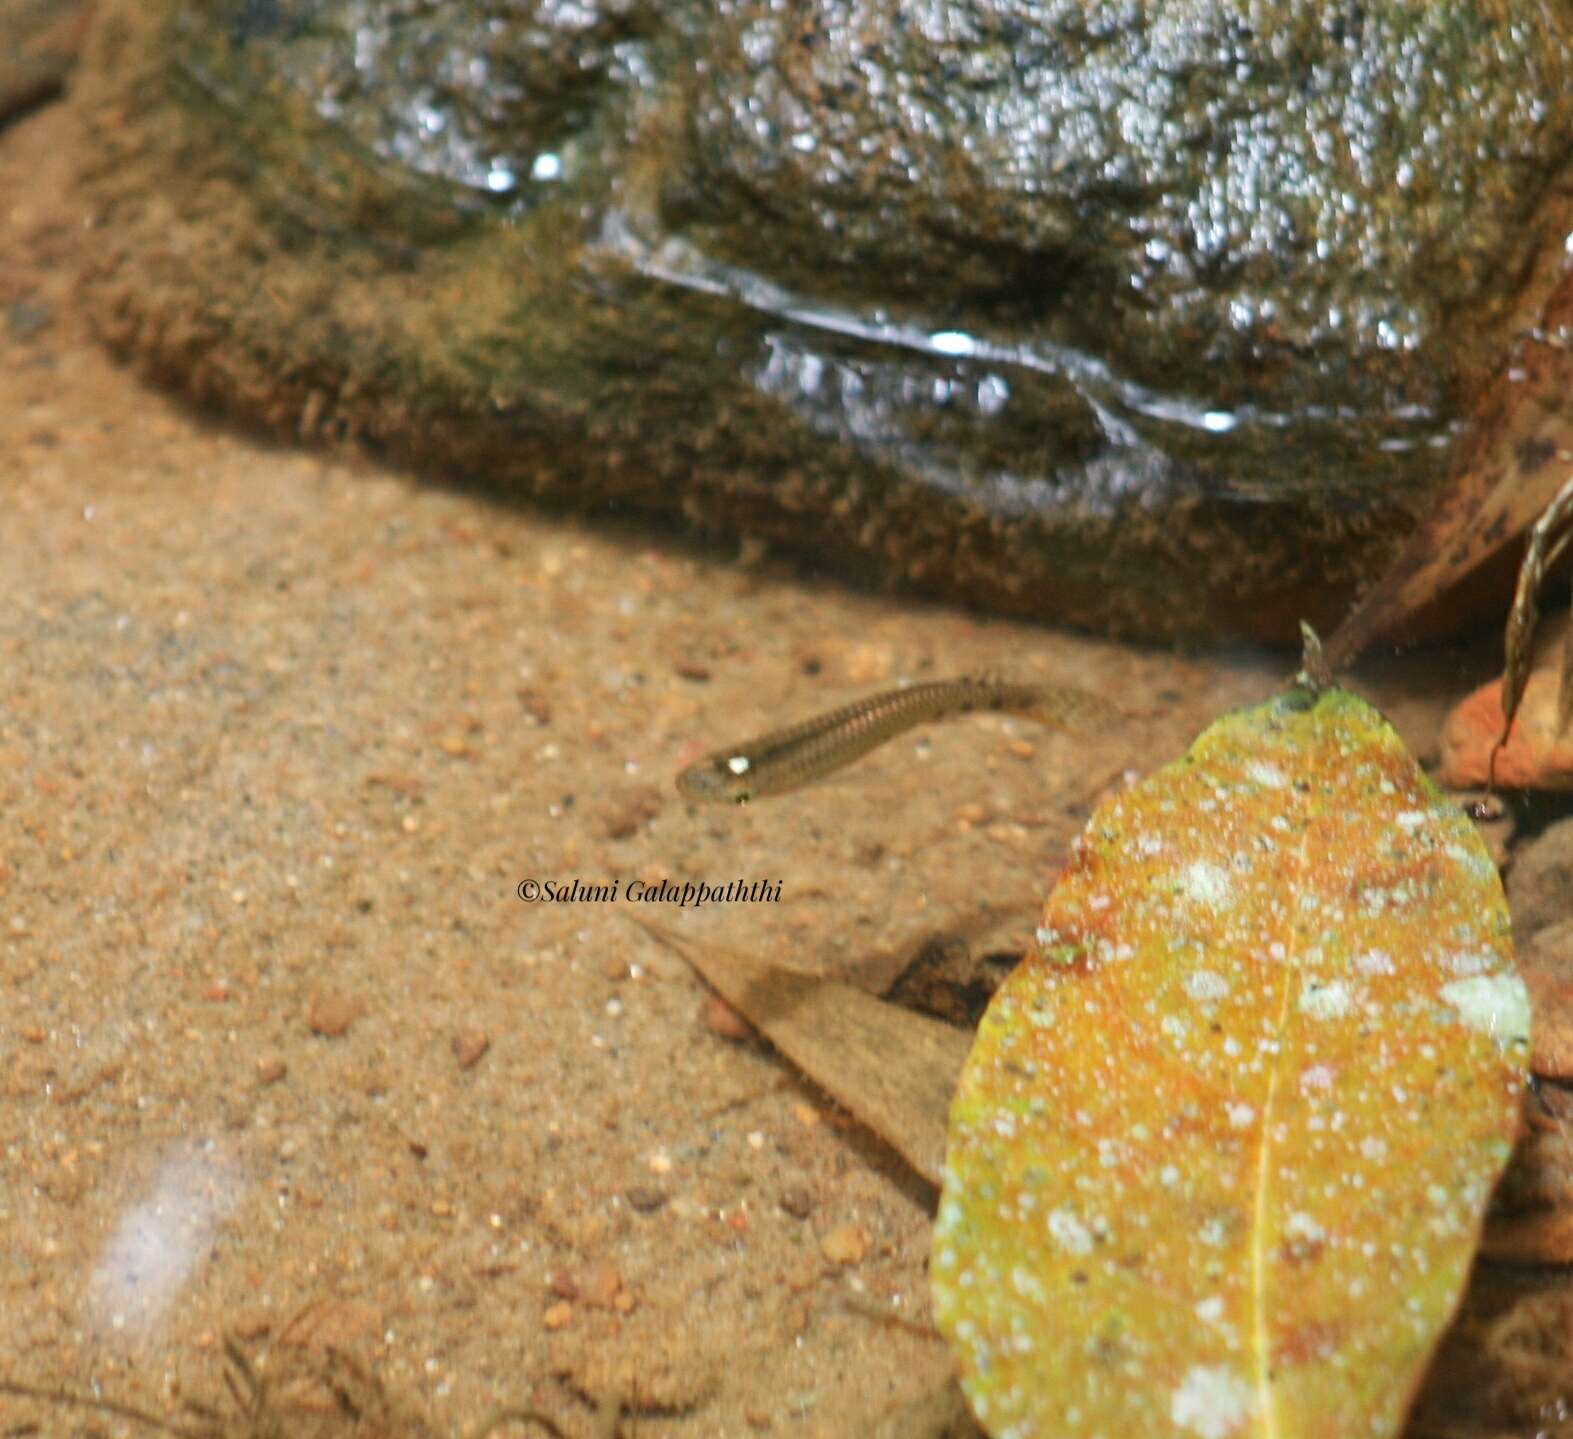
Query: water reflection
160, 1240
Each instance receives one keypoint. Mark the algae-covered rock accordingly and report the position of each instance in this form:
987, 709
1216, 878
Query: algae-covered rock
1159, 318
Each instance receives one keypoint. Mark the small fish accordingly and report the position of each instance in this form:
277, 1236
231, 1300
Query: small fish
787, 758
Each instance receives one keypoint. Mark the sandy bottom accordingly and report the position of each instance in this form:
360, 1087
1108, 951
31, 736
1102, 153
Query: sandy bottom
283, 1055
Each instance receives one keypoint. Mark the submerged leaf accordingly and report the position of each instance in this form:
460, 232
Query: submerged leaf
894, 1069
1219, 1157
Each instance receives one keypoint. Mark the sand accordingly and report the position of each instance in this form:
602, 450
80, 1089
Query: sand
284, 1056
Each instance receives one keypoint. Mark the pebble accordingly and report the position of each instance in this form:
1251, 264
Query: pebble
797, 1201
644, 1198
846, 1244
469, 1045
270, 1071
558, 1315
631, 811
598, 1285
535, 704
330, 1014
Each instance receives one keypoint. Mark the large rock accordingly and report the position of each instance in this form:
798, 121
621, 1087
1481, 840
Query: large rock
1159, 318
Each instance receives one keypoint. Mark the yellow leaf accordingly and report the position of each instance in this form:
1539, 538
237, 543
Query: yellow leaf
1219, 1157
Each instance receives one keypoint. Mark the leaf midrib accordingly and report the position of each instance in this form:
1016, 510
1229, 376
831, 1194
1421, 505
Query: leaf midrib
1261, 1340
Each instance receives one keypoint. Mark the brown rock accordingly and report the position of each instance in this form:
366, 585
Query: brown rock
1534, 757
1546, 963
1551, 1032
1540, 883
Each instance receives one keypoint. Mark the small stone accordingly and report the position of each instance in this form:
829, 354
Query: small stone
599, 1285
797, 1201
631, 811
270, 1071
846, 1244
454, 745
535, 704
330, 1014
469, 1045
564, 1284
645, 1198
558, 1315
720, 1018
870, 662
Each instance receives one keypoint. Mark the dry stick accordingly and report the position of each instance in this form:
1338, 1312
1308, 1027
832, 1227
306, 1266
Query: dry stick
1544, 550
103, 1406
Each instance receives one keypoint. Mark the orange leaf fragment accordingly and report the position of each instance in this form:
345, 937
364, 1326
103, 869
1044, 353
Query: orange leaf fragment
1219, 1158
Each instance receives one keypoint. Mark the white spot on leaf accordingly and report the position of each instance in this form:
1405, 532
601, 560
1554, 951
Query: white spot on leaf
1300, 1225
1494, 1004
1206, 883
1374, 961
1265, 773
1071, 1234
1318, 1076
1325, 1001
1203, 984
1211, 1401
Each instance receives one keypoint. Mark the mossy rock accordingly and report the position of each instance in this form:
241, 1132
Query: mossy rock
1157, 319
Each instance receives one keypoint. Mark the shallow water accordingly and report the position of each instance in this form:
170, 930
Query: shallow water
285, 1056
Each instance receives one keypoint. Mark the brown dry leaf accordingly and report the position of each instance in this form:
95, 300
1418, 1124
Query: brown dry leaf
1516, 456
894, 1069
1220, 1156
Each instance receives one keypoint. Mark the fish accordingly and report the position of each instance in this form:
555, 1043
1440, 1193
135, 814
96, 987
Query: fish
786, 759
